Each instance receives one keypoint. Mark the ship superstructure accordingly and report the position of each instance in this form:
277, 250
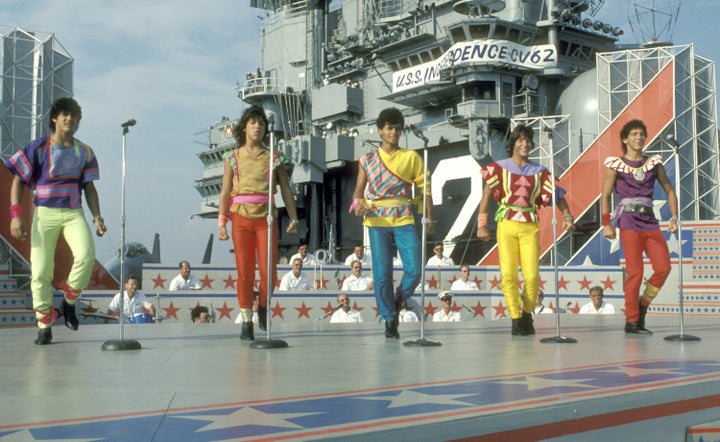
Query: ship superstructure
463, 72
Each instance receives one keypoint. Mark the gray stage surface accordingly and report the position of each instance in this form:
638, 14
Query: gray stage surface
347, 381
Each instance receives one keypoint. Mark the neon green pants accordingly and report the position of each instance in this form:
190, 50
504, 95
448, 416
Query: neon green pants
519, 240
48, 224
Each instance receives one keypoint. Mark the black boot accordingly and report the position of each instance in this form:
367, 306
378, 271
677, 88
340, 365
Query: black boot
391, 328
643, 312
516, 327
44, 336
248, 332
527, 324
71, 319
262, 318
634, 328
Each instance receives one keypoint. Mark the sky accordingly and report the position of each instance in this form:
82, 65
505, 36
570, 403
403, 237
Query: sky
173, 65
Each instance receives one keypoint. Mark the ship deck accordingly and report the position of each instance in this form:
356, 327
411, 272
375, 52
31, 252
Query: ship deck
347, 381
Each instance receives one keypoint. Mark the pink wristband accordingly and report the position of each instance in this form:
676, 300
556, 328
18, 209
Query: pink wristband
482, 219
15, 211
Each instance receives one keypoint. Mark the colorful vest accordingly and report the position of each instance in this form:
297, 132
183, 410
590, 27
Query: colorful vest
634, 184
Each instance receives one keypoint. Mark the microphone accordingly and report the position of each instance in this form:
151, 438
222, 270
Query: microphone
469, 310
670, 138
128, 123
271, 122
418, 133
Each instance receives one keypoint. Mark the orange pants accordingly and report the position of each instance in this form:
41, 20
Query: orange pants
250, 239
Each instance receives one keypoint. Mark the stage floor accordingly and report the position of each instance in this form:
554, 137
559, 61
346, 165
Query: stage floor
347, 381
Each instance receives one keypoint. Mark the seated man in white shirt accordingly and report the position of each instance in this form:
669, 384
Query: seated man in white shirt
184, 280
359, 254
439, 260
597, 306
344, 313
356, 281
464, 282
296, 279
308, 259
133, 302
539, 307
446, 313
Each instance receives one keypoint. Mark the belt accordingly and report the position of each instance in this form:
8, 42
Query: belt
637, 208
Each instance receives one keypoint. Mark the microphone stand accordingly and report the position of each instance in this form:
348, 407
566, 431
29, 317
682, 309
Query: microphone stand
268, 342
422, 342
681, 336
558, 338
122, 343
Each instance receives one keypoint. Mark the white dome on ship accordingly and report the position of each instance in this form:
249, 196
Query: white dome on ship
579, 101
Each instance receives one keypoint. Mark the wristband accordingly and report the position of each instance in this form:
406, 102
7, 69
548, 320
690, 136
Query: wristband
674, 218
482, 219
15, 211
222, 220
355, 202
294, 221
605, 219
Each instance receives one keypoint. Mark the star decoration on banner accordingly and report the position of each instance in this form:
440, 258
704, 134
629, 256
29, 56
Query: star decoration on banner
356, 307
500, 310
277, 310
450, 281
303, 310
432, 282
673, 244
478, 281
171, 311
408, 398
478, 310
89, 308
538, 383
342, 281
229, 282
321, 283
552, 307
207, 282
562, 283
159, 282
454, 307
542, 284
575, 309
495, 283
585, 283
247, 416
430, 309
608, 283
376, 311
328, 309
224, 311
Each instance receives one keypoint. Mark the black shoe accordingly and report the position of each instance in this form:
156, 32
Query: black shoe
262, 318
527, 324
516, 327
71, 319
248, 332
634, 328
44, 336
391, 328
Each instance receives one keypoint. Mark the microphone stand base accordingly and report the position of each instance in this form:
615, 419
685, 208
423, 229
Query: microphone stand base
421, 343
682, 337
558, 340
121, 345
268, 343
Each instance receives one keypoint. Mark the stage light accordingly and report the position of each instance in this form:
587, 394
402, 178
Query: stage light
597, 25
586, 23
617, 32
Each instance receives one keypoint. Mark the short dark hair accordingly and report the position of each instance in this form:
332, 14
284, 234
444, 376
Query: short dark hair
253, 112
520, 131
195, 312
65, 104
627, 128
129, 277
180, 264
596, 288
391, 115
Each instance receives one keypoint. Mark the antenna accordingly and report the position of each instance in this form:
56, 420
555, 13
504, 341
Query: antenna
653, 21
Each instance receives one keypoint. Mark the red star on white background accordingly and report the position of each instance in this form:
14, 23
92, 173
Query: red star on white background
159, 282
430, 309
355, 307
171, 311
562, 283
432, 282
500, 310
303, 310
207, 282
478, 310
224, 311
477, 281
608, 283
585, 283
321, 283
229, 282
575, 309
494, 283
277, 310
329, 309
